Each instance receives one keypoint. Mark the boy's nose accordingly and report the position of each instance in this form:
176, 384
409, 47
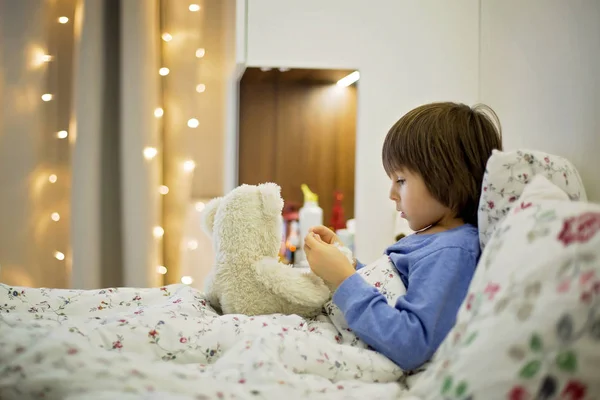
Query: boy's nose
393, 195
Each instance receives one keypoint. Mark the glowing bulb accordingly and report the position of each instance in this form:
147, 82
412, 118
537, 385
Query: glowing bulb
46, 58
194, 7
150, 153
62, 134
158, 112
161, 269
200, 88
55, 217
52, 178
158, 231
186, 280
349, 79
46, 97
189, 166
200, 53
192, 244
163, 189
59, 256
63, 20
193, 123
167, 37
164, 71
200, 206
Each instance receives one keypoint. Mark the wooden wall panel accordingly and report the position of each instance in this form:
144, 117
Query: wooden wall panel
299, 132
257, 138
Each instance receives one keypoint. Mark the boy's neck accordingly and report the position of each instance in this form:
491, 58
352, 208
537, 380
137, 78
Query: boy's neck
445, 224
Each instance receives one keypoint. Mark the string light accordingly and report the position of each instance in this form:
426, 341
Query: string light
158, 232
63, 20
62, 134
161, 269
55, 217
189, 166
46, 97
59, 256
52, 178
150, 153
46, 58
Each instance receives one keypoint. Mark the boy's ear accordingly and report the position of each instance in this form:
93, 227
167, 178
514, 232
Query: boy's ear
208, 215
271, 198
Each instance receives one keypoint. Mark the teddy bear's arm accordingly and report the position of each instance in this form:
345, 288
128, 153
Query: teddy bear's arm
302, 288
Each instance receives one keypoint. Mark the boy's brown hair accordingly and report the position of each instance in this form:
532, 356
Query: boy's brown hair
448, 144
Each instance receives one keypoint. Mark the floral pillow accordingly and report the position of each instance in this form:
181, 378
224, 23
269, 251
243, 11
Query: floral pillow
530, 325
383, 275
506, 175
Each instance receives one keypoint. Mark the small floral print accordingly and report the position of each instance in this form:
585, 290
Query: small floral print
580, 229
469, 303
491, 290
574, 390
518, 393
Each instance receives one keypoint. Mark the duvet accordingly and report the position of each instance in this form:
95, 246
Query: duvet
168, 343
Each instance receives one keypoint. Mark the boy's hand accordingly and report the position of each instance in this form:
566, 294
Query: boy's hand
325, 234
326, 261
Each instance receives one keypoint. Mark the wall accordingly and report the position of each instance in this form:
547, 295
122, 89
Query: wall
408, 53
540, 70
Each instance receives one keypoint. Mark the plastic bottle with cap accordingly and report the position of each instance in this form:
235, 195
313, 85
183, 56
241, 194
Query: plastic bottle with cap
310, 215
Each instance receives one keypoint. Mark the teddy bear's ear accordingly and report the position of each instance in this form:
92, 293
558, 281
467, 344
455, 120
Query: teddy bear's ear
208, 215
271, 198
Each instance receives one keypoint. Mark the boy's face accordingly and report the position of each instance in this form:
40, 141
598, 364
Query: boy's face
414, 202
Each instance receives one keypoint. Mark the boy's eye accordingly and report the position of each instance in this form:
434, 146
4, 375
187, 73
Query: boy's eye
401, 181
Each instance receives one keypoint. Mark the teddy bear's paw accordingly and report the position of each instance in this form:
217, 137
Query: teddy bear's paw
291, 284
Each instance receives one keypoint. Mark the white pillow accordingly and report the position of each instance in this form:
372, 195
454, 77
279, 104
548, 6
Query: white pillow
530, 325
506, 175
383, 275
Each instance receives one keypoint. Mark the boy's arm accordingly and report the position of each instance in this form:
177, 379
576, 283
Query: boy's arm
410, 333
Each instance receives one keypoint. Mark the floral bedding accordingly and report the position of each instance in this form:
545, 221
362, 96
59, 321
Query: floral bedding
165, 342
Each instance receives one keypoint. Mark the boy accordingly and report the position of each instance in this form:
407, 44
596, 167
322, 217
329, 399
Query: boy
435, 156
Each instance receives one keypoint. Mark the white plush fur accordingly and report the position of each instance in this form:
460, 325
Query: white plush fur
247, 278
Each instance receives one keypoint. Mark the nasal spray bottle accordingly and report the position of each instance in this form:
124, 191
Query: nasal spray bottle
310, 215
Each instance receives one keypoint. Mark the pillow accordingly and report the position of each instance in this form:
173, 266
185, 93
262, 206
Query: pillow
530, 325
384, 276
506, 175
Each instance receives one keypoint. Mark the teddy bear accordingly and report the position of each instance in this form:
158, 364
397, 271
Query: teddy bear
247, 277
